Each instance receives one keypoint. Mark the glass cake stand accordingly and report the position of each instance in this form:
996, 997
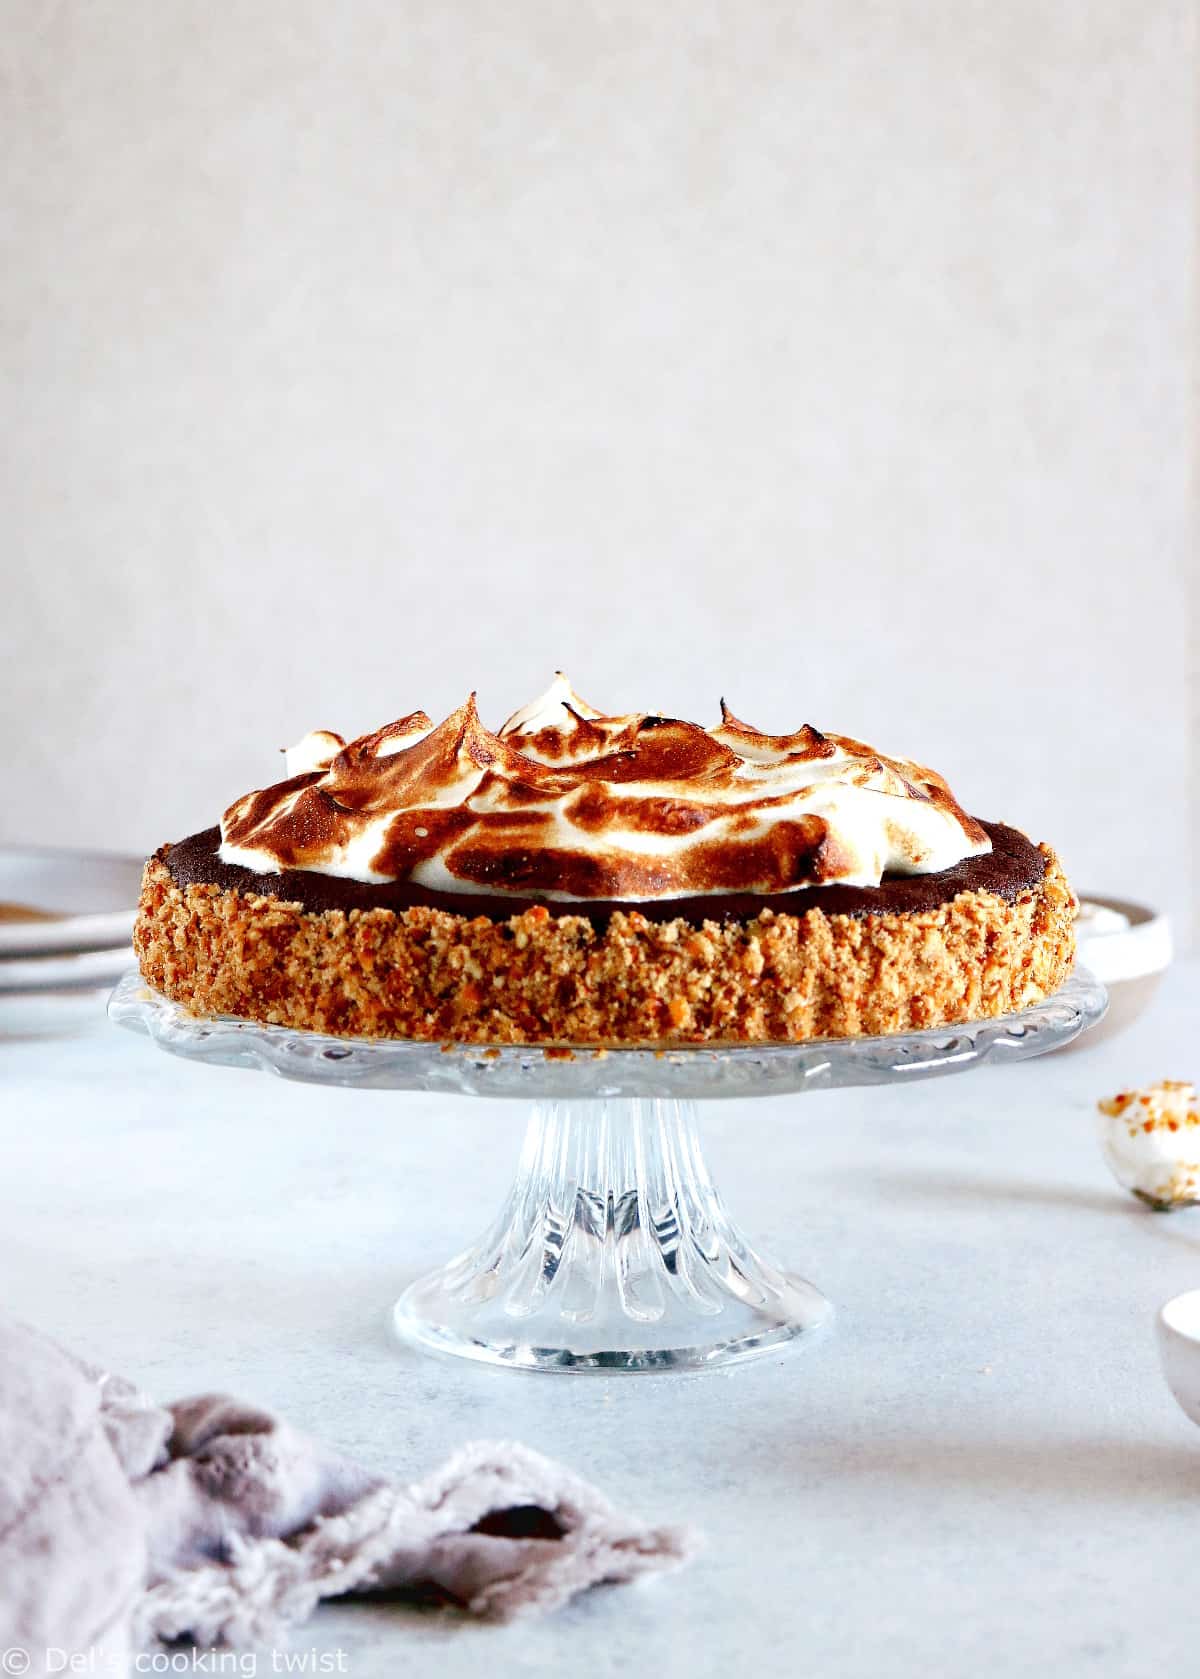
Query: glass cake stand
613, 1250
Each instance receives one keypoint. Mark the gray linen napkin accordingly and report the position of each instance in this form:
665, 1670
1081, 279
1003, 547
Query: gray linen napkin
122, 1521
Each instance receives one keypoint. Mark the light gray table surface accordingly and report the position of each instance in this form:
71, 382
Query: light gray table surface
978, 1470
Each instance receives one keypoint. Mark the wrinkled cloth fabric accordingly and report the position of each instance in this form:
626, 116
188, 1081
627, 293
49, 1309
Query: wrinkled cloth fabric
123, 1522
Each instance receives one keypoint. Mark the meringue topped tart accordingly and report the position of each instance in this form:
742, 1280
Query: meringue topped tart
581, 878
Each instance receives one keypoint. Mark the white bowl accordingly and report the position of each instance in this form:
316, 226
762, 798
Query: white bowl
1179, 1349
1130, 961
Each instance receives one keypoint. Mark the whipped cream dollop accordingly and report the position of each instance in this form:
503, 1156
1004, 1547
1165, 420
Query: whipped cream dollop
1151, 1141
572, 804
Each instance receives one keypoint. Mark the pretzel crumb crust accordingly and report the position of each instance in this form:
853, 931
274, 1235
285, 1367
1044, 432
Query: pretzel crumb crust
544, 978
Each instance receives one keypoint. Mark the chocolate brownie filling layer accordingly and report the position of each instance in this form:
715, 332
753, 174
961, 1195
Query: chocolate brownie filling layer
1013, 866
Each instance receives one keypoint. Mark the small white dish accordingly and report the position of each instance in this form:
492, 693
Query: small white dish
1179, 1349
1128, 947
65, 973
81, 900
1121, 941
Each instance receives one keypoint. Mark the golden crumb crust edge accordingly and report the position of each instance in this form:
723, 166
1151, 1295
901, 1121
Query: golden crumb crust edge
540, 978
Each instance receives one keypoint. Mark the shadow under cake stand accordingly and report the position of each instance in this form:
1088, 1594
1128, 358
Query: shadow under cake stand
613, 1250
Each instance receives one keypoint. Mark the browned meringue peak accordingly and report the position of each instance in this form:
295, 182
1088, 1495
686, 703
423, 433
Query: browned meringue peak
570, 803
895, 775
559, 725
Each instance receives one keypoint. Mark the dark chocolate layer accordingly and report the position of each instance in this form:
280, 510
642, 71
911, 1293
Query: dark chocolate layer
1014, 865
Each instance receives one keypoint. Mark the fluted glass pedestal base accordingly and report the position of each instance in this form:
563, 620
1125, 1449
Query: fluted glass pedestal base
613, 1251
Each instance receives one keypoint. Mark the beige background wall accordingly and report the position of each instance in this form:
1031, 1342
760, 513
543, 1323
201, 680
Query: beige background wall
835, 357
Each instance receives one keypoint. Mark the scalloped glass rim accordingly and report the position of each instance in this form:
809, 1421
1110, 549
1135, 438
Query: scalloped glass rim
702, 1071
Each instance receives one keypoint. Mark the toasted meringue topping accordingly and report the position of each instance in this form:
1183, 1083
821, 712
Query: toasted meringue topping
571, 804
